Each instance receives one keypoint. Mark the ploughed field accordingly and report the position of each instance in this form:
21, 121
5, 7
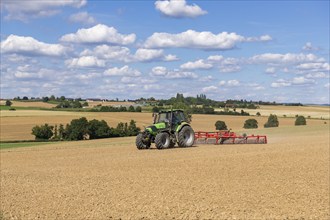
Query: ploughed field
110, 178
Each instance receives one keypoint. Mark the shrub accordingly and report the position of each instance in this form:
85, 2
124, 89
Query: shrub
258, 114
251, 123
98, 129
272, 121
131, 109
300, 120
138, 109
220, 125
8, 103
77, 129
43, 132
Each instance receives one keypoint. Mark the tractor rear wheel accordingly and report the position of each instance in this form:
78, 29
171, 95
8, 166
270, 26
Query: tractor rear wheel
140, 142
186, 137
162, 140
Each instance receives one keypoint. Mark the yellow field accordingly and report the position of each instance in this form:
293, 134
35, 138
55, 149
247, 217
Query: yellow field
110, 179
288, 178
17, 125
290, 111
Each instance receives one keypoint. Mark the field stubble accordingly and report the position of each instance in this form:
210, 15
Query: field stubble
110, 178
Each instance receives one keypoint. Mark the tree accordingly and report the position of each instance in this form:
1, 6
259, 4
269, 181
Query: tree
85, 104
77, 129
133, 130
8, 103
138, 109
250, 123
258, 114
300, 120
155, 109
131, 108
43, 132
25, 98
98, 129
272, 121
220, 125
45, 99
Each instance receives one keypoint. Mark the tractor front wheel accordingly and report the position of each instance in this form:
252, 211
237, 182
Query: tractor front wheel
141, 143
162, 140
186, 137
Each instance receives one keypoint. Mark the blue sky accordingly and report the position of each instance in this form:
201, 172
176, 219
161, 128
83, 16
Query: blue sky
254, 50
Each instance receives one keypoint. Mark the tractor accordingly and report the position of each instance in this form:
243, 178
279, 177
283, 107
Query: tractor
169, 127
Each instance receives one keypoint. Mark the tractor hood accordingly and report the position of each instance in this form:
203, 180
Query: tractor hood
156, 127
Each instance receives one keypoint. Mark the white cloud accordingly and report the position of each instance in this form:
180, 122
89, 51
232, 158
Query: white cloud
280, 83
27, 9
233, 82
178, 8
210, 89
170, 57
194, 39
314, 66
123, 71
261, 38
302, 81
327, 85
158, 71
172, 74
270, 70
198, 64
309, 47
82, 17
30, 46
230, 83
318, 75
177, 74
109, 53
144, 55
215, 58
230, 68
85, 61
100, 33
288, 58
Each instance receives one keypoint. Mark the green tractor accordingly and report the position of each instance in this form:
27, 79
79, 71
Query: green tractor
169, 127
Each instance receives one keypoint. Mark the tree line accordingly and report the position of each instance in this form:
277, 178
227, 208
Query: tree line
81, 129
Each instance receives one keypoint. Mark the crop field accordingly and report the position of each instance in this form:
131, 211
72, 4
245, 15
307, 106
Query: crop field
111, 179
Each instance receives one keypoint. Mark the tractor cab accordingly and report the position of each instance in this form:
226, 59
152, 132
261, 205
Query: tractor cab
173, 117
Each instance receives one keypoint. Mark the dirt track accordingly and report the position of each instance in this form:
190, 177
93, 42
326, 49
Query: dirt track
104, 179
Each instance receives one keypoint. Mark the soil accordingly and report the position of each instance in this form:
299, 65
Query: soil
111, 179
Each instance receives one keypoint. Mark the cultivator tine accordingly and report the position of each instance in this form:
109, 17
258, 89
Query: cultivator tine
227, 137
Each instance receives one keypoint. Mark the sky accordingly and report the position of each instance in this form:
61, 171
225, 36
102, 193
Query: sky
254, 50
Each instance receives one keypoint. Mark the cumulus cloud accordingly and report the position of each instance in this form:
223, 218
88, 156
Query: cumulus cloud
27, 9
198, 64
100, 33
327, 85
172, 74
82, 17
123, 71
109, 53
270, 70
230, 83
289, 58
314, 66
170, 57
29, 46
143, 54
309, 47
280, 83
215, 58
317, 75
158, 71
209, 89
296, 81
178, 8
85, 61
194, 39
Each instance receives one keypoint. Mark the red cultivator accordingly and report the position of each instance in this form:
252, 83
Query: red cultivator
228, 137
